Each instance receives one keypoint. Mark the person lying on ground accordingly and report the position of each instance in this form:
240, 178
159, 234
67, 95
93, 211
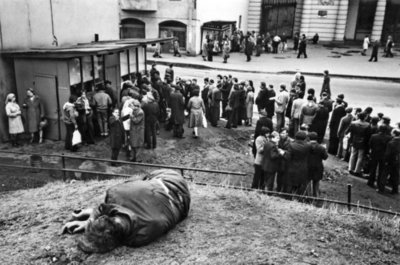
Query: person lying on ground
134, 213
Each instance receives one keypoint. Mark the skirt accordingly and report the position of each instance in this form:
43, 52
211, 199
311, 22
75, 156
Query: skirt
196, 118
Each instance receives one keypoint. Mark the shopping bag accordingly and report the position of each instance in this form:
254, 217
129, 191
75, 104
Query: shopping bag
204, 120
76, 138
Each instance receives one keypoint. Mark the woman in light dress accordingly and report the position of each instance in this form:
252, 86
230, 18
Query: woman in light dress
13, 112
249, 102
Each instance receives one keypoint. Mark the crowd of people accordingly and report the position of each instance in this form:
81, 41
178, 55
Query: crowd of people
132, 120
369, 143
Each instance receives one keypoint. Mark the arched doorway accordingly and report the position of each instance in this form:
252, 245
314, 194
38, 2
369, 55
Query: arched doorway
172, 28
132, 28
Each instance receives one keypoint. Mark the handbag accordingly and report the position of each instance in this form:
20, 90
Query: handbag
204, 120
76, 138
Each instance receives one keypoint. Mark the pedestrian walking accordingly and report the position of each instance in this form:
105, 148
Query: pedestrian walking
248, 46
176, 48
388, 47
302, 47
365, 45
374, 54
226, 47
326, 85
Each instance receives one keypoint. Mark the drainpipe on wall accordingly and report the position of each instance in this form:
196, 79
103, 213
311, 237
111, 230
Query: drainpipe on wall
55, 41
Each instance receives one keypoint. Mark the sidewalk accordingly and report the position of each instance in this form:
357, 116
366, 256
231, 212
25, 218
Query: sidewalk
341, 61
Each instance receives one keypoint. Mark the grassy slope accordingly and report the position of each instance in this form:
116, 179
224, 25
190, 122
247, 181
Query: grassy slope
224, 227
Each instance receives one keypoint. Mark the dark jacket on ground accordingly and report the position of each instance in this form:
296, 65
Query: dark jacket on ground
149, 208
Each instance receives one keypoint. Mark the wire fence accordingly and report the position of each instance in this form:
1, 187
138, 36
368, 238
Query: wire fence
291, 196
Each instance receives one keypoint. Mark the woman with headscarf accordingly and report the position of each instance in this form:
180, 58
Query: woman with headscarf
136, 131
13, 112
34, 113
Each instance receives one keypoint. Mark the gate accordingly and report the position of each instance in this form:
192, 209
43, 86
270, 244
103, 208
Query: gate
277, 17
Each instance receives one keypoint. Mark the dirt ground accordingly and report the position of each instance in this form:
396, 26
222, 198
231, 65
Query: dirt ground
224, 226
216, 149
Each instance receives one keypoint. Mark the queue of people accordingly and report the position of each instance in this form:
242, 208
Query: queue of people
369, 143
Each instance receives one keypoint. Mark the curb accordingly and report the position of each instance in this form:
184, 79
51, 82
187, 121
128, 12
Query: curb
205, 67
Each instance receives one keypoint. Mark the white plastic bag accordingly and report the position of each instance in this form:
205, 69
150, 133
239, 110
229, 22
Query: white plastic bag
204, 121
76, 138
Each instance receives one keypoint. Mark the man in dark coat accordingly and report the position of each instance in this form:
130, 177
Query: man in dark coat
374, 54
297, 164
338, 113
270, 105
303, 47
320, 122
169, 74
204, 96
392, 160
134, 213
343, 125
226, 87
214, 96
377, 146
234, 103
151, 112
177, 105
270, 162
315, 165
248, 47
117, 134
326, 87
359, 134
262, 97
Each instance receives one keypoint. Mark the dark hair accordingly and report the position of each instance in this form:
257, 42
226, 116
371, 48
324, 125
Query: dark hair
219, 76
311, 91
368, 110
107, 82
310, 97
300, 135
212, 81
374, 120
102, 235
263, 85
361, 116
235, 79
302, 77
313, 136
206, 79
72, 98
264, 130
383, 128
326, 72
195, 92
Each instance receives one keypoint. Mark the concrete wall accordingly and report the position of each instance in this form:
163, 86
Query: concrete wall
352, 19
254, 15
28, 23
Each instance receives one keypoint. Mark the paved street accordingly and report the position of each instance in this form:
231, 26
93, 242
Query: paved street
383, 96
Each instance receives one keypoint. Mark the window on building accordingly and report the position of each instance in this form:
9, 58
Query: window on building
132, 28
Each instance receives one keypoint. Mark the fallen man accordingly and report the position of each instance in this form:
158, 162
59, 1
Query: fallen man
134, 213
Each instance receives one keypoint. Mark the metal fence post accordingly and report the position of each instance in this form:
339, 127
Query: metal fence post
349, 197
63, 165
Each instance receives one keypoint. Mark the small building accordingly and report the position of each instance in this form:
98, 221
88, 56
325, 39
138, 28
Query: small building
56, 73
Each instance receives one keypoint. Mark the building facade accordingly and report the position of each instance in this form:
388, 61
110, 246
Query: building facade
333, 20
187, 20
